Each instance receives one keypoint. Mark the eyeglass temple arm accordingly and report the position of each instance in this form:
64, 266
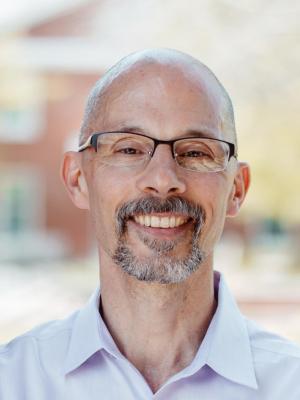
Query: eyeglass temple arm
86, 144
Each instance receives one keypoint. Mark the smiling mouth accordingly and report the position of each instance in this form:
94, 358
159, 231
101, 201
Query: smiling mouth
165, 222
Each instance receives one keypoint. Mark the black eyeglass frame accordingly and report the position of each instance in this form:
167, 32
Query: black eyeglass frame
93, 139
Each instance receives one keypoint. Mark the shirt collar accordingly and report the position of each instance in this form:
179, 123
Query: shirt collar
229, 349
89, 335
225, 348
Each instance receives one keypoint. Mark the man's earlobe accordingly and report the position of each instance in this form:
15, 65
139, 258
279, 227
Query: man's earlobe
239, 190
74, 180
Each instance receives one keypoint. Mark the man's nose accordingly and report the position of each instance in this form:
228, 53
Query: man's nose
160, 176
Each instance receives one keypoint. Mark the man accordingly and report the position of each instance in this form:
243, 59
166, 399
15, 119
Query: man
157, 169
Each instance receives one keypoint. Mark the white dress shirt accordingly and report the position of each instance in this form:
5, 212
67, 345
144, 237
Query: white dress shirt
77, 359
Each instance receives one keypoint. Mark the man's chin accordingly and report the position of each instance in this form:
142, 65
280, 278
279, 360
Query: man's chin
160, 265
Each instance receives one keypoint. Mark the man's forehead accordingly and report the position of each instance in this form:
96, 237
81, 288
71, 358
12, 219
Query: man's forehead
156, 100
177, 71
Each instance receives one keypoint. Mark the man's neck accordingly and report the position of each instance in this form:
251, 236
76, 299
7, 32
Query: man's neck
157, 327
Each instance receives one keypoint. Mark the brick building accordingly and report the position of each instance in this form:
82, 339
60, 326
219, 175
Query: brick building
41, 107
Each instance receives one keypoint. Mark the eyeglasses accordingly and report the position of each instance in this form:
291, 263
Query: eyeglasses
129, 149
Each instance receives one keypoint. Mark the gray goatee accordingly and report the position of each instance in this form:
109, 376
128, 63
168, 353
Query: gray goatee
161, 266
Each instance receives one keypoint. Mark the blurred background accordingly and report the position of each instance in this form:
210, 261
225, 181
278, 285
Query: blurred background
52, 52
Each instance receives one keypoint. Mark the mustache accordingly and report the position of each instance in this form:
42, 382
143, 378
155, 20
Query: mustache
149, 205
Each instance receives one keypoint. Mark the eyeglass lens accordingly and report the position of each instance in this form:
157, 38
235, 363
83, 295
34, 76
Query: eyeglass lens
130, 150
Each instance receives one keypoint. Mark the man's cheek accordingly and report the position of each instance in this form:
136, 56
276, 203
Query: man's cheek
99, 216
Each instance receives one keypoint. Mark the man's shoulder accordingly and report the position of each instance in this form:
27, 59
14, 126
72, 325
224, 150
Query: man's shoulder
268, 347
52, 336
276, 362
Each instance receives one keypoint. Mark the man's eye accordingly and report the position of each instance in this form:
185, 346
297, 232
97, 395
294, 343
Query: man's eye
195, 154
129, 151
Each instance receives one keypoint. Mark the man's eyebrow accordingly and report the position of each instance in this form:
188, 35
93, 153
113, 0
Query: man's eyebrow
131, 128
203, 132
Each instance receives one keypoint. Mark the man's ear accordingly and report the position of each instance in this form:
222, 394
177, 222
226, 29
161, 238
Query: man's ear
74, 179
240, 187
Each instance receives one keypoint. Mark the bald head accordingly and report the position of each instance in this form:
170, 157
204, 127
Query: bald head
145, 64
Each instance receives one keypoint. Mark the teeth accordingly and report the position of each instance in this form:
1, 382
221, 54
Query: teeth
172, 222
178, 221
159, 222
164, 222
147, 220
155, 222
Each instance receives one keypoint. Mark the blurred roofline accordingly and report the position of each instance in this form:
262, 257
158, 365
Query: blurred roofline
14, 17
61, 54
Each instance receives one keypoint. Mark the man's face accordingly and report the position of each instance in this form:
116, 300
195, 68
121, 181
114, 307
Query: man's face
123, 200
